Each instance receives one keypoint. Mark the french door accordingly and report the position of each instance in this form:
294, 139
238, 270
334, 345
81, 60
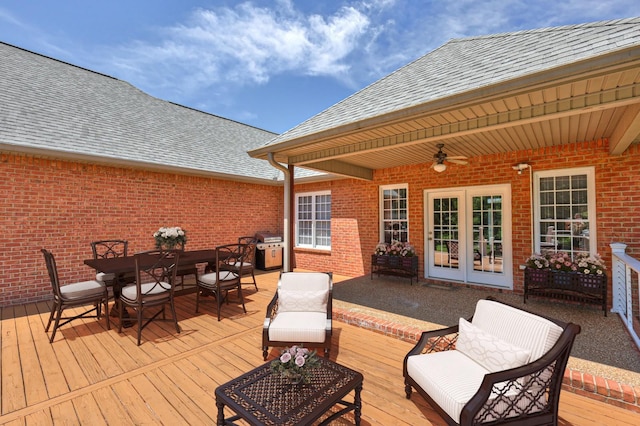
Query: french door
469, 235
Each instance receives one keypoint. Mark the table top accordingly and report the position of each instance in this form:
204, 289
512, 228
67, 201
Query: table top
121, 265
262, 397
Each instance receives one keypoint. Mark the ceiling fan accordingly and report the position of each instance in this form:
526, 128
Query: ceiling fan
440, 157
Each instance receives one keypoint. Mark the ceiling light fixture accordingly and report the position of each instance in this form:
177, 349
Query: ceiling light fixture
440, 167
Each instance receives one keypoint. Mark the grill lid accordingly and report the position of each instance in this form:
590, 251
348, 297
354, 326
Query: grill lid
268, 237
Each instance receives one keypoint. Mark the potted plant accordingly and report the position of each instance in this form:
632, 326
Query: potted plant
169, 238
396, 258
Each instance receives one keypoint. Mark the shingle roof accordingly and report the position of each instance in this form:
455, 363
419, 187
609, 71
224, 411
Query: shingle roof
47, 105
467, 64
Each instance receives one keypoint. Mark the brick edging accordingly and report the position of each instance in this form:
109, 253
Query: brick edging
584, 384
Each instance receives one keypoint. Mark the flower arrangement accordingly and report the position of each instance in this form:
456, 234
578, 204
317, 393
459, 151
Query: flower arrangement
170, 237
538, 261
396, 248
295, 363
561, 262
590, 264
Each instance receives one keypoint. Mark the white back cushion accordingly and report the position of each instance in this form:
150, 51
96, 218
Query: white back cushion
303, 292
520, 328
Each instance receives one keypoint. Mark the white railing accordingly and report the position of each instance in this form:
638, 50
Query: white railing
625, 273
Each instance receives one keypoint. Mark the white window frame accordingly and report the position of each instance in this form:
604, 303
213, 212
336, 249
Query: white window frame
313, 220
381, 209
591, 204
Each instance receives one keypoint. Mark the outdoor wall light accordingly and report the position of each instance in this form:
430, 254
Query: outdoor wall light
520, 167
440, 167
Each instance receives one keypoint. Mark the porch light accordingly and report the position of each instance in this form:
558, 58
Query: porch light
441, 167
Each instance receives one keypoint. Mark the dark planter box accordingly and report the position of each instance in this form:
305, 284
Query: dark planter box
395, 265
572, 286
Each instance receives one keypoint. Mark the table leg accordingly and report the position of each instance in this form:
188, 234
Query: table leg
220, 420
358, 403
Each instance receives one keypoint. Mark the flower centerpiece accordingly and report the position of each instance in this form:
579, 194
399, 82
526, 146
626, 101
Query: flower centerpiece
295, 364
169, 238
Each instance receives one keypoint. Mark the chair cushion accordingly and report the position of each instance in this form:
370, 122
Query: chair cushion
149, 290
307, 281
487, 350
82, 289
105, 278
450, 378
300, 327
303, 301
210, 280
522, 329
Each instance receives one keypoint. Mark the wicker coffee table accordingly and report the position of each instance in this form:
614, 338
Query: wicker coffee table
263, 398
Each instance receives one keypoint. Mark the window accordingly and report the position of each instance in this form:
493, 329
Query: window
564, 211
313, 220
394, 213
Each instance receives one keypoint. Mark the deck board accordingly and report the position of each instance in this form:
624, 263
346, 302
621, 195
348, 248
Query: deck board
91, 375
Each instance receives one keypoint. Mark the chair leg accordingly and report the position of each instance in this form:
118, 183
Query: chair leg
254, 281
139, 317
241, 297
197, 297
120, 311
53, 310
175, 317
106, 309
265, 352
57, 322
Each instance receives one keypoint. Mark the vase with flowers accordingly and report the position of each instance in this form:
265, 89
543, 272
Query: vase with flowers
295, 364
170, 237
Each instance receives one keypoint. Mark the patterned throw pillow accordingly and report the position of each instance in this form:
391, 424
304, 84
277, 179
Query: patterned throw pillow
302, 301
492, 353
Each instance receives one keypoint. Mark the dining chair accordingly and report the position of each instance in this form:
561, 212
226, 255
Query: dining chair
105, 249
153, 288
225, 277
185, 270
73, 295
300, 312
248, 264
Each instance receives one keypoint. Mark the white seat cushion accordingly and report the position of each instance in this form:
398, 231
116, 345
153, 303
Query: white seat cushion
211, 278
102, 277
449, 377
82, 289
149, 290
299, 327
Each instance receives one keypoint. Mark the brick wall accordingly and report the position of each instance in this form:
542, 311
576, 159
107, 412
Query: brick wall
355, 203
63, 206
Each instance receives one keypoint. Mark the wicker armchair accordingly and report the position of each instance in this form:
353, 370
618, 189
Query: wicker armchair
506, 367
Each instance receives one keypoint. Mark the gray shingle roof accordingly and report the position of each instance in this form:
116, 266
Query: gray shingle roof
467, 64
46, 104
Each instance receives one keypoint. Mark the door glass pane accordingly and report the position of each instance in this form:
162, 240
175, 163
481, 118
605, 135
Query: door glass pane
445, 233
487, 233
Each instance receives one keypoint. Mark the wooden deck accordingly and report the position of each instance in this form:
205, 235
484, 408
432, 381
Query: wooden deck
93, 376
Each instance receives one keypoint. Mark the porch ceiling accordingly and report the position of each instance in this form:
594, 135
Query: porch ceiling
541, 112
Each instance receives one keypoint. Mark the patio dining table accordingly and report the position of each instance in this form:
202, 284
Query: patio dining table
127, 264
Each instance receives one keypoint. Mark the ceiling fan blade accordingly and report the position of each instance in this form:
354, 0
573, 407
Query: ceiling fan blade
456, 161
457, 157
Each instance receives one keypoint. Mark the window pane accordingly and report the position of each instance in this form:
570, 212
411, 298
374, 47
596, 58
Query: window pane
395, 215
314, 220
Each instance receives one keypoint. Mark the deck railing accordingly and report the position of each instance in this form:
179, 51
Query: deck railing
625, 278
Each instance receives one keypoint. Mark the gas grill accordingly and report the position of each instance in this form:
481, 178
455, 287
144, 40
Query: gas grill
269, 248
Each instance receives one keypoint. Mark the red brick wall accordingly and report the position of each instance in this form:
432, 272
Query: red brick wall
355, 203
63, 206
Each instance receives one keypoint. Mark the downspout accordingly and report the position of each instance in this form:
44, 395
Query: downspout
286, 259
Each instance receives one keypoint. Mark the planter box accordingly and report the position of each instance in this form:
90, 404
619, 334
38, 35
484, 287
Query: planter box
395, 265
572, 286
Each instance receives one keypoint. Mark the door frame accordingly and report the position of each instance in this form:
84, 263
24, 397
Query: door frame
503, 280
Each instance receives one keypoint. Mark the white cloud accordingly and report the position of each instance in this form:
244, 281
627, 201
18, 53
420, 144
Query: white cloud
247, 45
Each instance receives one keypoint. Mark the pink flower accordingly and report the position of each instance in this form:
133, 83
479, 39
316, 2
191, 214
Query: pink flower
285, 357
300, 361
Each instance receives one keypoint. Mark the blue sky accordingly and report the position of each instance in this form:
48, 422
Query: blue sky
268, 63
